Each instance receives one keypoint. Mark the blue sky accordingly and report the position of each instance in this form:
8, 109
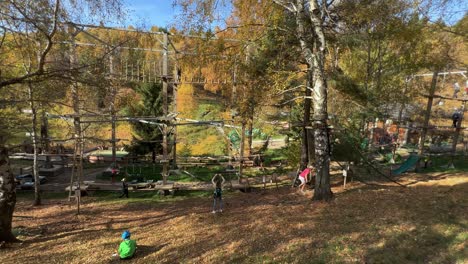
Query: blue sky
146, 13
150, 12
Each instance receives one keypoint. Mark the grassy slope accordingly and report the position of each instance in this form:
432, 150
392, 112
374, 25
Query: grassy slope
425, 223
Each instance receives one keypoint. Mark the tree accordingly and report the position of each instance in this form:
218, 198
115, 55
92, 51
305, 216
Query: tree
28, 31
14, 19
147, 137
379, 42
309, 17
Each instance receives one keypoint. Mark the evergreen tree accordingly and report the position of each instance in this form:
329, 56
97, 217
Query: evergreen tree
147, 137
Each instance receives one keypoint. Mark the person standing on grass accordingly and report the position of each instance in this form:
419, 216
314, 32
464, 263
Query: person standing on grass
218, 181
128, 246
124, 188
304, 177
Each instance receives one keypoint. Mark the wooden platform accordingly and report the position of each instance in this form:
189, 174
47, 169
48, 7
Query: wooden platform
172, 186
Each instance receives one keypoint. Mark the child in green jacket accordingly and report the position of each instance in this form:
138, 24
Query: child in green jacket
127, 247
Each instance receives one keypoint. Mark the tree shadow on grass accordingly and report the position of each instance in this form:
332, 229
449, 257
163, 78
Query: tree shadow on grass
141, 252
419, 224
395, 225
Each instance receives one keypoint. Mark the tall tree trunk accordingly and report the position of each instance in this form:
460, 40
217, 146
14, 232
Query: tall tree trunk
315, 57
35, 170
113, 93
45, 141
305, 151
369, 65
310, 132
165, 108
7, 195
321, 135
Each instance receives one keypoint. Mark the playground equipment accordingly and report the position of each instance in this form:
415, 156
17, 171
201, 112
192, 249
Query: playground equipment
410, 162
425, 127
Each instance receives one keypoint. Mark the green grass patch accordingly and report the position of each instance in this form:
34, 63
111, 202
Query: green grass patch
201, 173
140, 172
440, 164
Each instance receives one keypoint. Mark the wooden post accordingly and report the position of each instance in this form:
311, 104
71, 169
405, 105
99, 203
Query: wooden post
234, 84
345, 176
402, 108
374, 126
457, 134
406, 135
76, 113
112, 110
78, 199
275, 179
165, 108
126, 70
241, 151
72, 172
138, 70
427, 116
174, 110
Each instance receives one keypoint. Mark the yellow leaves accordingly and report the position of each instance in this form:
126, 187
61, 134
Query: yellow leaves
208, 145
124, 131
185, 100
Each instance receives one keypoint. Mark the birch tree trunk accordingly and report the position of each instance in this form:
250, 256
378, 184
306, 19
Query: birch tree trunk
305, 132
45, 141
37, 188
314, 54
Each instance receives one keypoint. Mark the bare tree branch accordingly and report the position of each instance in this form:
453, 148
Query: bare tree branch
40, 67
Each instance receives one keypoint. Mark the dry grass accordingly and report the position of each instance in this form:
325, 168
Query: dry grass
424, 223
